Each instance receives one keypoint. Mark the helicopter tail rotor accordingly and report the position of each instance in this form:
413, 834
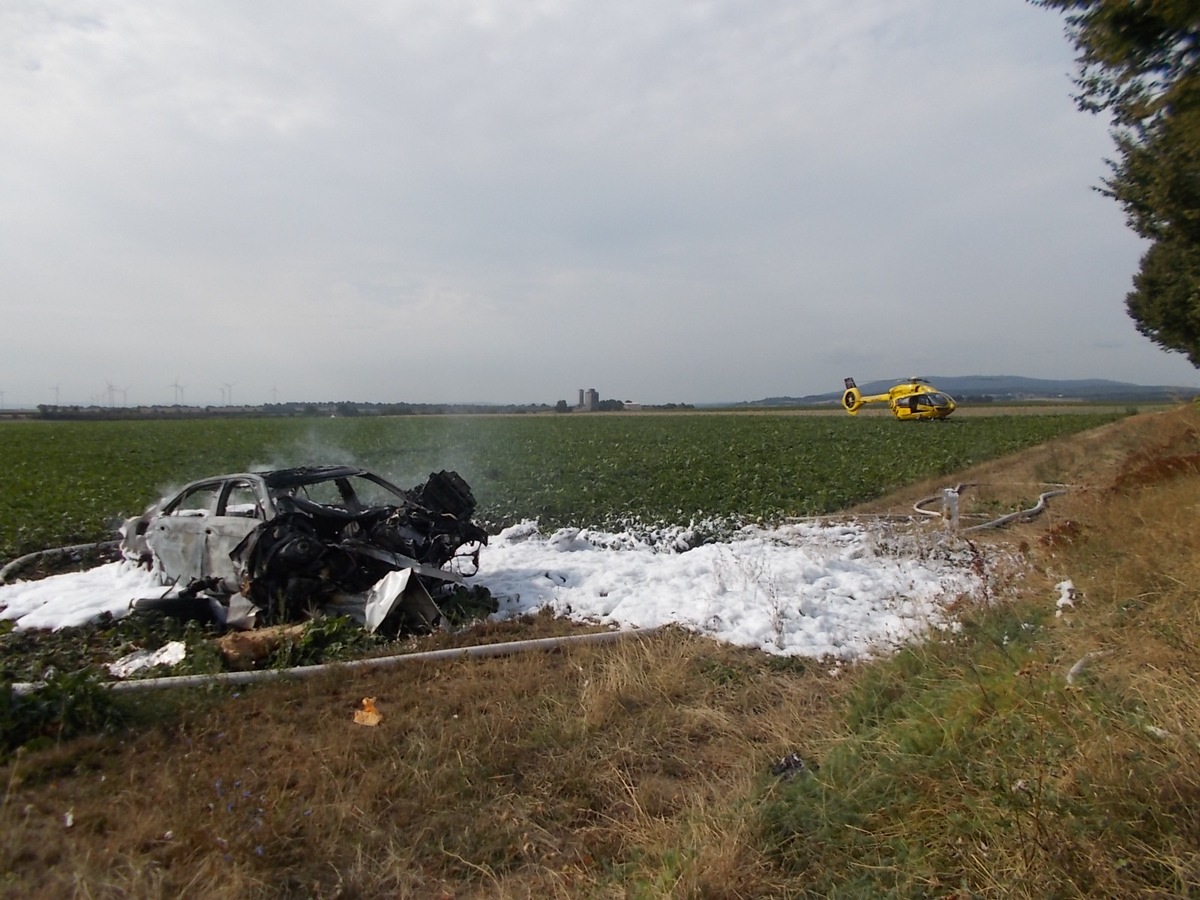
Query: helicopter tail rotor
852, 399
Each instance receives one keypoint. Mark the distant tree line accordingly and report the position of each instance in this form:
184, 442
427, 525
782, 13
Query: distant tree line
341, 409
620, 406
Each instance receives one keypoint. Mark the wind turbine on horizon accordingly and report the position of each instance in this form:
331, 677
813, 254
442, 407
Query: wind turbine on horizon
111, 391
178, 391
227, 392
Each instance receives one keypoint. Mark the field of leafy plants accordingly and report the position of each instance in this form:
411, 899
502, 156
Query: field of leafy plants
70, 482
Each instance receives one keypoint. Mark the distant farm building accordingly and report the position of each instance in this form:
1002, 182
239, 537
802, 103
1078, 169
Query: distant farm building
589, 400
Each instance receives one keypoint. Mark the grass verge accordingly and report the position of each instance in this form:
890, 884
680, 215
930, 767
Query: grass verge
1044, 751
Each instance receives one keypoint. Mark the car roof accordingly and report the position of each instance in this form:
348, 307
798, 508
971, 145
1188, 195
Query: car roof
285, 478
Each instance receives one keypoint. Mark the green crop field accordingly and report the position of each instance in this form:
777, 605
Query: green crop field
69, 482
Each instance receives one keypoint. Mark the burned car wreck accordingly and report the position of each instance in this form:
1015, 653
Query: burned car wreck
269, 547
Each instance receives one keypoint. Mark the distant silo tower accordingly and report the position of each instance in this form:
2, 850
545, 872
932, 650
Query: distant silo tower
591, 399
581, 398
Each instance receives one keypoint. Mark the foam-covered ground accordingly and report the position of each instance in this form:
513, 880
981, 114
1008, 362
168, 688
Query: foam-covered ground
810, 589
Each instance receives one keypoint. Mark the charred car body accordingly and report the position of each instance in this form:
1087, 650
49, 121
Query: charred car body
268, 547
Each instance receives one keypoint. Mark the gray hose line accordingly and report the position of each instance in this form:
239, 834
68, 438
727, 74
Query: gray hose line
919, 506
478, 650
1019, 515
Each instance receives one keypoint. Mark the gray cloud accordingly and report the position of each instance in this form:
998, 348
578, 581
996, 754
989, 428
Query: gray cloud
501, 201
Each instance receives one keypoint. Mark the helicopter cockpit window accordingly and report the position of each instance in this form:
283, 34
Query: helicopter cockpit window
934, 400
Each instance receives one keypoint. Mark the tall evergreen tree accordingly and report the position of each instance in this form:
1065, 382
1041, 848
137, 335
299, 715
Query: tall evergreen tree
1139, 62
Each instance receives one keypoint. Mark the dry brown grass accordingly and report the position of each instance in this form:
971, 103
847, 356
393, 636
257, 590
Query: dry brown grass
1133, 553
567, 773
641, 769
1016, 780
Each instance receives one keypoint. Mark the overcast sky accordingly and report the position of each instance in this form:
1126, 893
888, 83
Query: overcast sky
508, 200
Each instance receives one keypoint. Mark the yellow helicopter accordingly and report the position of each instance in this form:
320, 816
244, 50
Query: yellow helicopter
915, 398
